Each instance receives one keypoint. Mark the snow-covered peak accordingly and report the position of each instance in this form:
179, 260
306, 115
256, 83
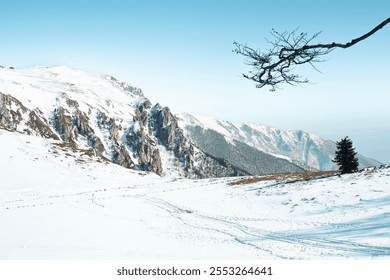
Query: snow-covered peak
40, 87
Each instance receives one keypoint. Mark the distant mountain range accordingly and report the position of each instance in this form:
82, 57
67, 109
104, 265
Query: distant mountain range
110, 120
246, 142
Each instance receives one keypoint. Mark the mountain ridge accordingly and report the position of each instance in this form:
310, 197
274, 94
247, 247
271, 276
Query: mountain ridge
114, 120
307, 150
109, 117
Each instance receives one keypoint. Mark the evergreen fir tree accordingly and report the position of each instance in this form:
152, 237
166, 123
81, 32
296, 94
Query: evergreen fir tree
346, 156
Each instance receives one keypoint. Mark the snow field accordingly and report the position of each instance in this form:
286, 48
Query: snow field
56, 203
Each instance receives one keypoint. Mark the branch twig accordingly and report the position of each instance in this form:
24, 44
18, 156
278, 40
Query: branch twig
289, 49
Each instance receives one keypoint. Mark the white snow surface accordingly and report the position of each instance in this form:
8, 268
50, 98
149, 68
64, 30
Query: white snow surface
60, 204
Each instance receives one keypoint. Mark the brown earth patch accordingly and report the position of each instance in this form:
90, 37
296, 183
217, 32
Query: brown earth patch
284, 177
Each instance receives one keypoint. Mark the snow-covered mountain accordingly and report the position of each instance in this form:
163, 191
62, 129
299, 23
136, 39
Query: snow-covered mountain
113, 120
301, 148
102, 116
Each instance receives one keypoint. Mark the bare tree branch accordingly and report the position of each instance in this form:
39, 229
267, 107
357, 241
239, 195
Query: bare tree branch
289, 49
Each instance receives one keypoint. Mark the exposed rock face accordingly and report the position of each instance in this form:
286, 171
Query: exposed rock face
63, 124
71, 125
141, 142
170, 135
14, 116
145, 148
38, 122
121, 156
150, 129
11, 111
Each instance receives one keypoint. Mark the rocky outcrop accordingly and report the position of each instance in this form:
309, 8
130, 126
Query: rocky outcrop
62, 121
40, 125
121, 156
145, 149
73, 123
140, 140
11, 111
170, 135
15, 116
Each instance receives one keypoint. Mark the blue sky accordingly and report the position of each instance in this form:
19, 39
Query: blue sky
180, 54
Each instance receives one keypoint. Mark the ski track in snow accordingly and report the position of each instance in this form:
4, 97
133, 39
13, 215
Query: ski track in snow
233, 227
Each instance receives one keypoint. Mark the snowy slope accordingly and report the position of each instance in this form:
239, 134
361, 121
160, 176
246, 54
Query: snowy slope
41, 87
58, 202
305, 149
